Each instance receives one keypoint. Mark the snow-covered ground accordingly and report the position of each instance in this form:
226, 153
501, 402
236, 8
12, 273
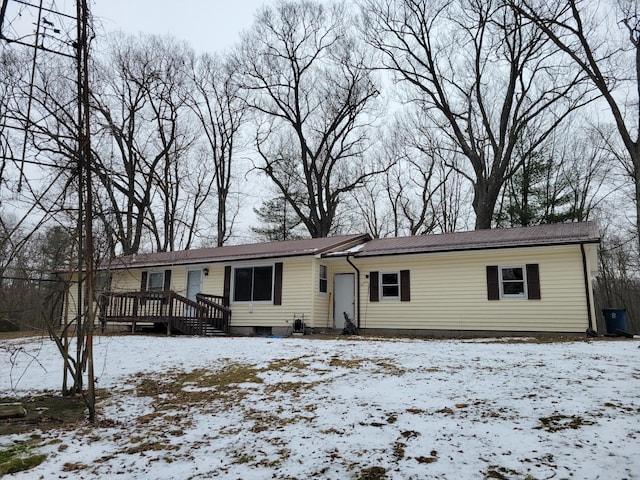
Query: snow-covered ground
299, 408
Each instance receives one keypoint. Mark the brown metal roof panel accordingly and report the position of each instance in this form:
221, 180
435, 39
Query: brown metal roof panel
289, 248
582, 232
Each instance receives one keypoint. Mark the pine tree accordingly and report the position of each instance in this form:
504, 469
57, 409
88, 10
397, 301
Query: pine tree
278, 219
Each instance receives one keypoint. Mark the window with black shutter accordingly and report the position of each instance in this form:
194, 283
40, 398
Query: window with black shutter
389, 286
513, 282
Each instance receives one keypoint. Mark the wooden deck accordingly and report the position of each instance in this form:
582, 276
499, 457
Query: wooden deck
207, 315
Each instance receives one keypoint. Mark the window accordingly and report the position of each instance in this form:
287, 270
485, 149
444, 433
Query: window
323, 287
519, 281
390, 286
512, 282
253, 284
155, 281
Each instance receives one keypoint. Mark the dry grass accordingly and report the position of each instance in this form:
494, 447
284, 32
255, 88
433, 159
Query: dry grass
174, 399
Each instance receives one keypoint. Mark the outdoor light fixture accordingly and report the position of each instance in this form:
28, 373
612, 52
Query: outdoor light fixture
205, 271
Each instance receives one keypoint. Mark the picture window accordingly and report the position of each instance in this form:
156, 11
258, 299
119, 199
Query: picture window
253, 284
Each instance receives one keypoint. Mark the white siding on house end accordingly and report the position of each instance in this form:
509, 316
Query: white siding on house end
449, 292
70, 311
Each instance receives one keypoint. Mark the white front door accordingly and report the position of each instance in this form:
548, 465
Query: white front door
194, 283
343, 298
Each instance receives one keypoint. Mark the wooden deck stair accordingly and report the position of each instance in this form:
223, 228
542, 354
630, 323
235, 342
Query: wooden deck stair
208, 315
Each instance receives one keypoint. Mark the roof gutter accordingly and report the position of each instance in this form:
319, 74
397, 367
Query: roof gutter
357, 290
586, 285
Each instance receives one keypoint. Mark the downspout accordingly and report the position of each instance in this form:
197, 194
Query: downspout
586, 285
357, 289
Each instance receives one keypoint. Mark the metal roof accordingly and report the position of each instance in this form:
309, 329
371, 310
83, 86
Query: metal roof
289, 248
540, 235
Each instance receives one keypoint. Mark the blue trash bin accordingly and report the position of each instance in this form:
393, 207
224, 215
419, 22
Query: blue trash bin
615, 319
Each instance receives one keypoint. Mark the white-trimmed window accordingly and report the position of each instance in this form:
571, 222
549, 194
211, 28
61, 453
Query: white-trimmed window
253, 284
389, 285
513, 282
323, 278
392, 286
155, 281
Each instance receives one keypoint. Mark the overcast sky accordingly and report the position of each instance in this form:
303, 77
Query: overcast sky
208, 25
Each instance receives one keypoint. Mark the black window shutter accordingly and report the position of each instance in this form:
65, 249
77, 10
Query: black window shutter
533, 281
167, 283
493, 287
277, 286
143, 287
167, 280
405, 286
374, 292
227, 283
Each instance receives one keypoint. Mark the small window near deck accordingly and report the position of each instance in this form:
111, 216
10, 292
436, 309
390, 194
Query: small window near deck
390, 286
513, 282
155, 281
323, 287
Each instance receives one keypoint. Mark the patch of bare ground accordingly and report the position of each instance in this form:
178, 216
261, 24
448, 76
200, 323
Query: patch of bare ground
43, 412
558, 422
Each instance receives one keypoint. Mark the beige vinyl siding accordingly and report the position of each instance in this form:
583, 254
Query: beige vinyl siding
126, 280
130, 280
71, 307
323, 303
449, 291
338, 268
297, 296
70, 311
213, 283
320, 316
297, 293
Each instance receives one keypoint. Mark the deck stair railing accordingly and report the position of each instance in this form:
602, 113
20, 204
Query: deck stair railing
207, 315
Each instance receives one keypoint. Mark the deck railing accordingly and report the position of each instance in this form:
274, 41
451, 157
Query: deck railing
216, 310
206, 315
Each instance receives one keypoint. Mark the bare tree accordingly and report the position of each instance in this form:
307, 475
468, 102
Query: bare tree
587, 171
221, 111
9, 78
565, 179
617, 283
602, 39
142, 139
415, 196
309, 84
481, 74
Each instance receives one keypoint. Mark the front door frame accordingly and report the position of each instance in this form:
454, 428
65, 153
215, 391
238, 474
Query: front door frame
344, 299
186, 287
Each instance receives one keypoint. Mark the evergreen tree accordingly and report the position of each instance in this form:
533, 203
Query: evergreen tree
279, 221
534, 195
